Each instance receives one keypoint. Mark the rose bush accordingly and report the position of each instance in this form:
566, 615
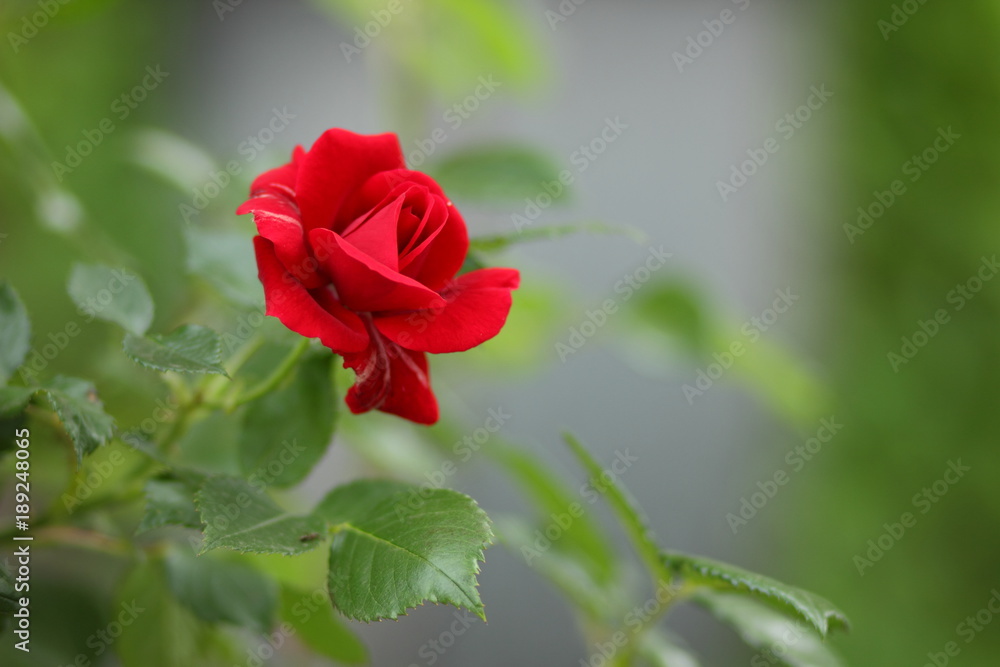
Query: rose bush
364, 254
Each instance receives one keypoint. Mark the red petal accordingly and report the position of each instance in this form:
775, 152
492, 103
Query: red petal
336, 327
376, 236
392, 380
281, 179
364, 284
388, 185
338, 164
477, 306
278, 220
438, 261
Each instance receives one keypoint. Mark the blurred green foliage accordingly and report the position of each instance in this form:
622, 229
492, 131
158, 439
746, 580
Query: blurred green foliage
939, 70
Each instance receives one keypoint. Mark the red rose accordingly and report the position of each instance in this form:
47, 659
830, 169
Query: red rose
360, 252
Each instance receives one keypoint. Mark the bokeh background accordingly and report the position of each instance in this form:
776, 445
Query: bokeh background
897, 77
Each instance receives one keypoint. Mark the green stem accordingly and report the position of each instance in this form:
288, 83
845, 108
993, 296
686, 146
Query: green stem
629, 515
179, 426
84, 539
216, 385
635, 644
279, 374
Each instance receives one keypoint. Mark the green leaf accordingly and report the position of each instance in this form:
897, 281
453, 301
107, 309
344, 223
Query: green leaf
504, 173
225, 260
160, 633
672, 313
113, 295
625, 507
319, 627
785, 381
676, 309
82, 414
286, 432
238, 516
169, 502
359, 497
583, 541
600, 602
15, 332
223, 591
662, 650
548, 233
13, 400
210, 445
762, 627
712, 574
189, 349
398, 553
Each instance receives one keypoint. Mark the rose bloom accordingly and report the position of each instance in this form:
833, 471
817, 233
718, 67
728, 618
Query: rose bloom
356, 250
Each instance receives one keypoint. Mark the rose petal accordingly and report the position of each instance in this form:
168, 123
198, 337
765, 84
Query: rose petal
338, 164
387, 185
277, 218
364, 284
438, 261
336, 327
413, 256
392, 380
477, 306
280, 179
376, 236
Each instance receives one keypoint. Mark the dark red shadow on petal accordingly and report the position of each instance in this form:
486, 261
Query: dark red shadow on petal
363, 283
392, 380
298, 309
